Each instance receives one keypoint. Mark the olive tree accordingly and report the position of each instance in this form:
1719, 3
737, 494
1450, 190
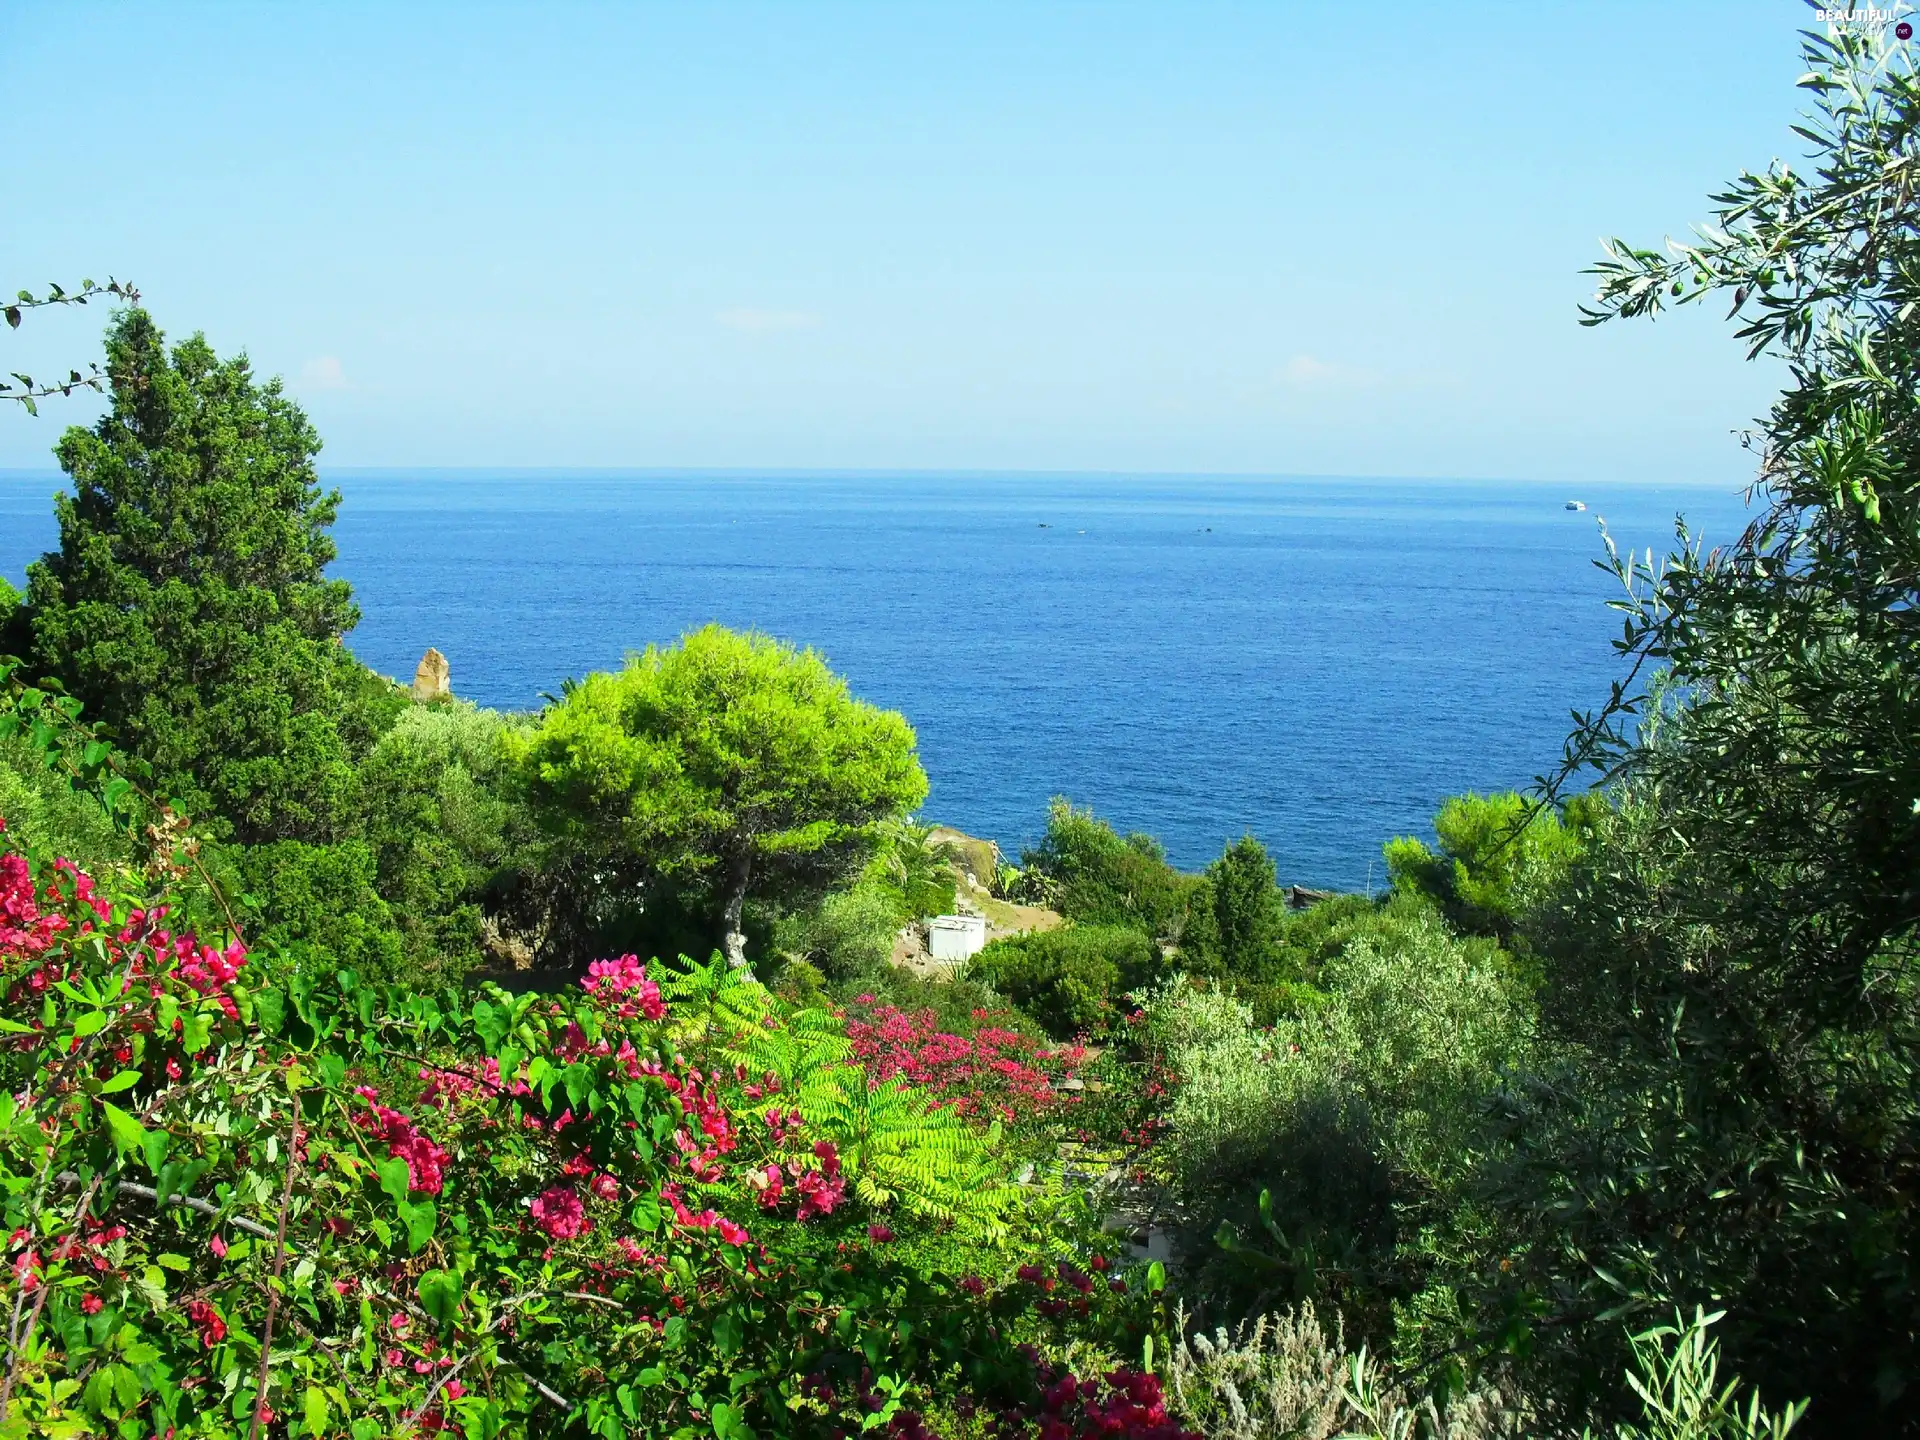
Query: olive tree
1731, 974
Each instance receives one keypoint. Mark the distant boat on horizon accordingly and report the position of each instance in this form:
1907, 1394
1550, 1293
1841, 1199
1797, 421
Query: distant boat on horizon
1576, 504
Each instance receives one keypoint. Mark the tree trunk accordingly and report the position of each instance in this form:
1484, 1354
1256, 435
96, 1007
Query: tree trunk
739, 872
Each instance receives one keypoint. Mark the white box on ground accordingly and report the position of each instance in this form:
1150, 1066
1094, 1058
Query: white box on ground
955, 937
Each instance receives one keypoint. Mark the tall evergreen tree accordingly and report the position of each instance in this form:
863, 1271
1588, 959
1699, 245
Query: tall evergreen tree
1246, 906
186, 604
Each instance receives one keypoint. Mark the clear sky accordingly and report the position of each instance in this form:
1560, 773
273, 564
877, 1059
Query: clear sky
1186, 236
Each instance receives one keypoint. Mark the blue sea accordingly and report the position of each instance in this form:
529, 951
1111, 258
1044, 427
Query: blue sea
1316, 661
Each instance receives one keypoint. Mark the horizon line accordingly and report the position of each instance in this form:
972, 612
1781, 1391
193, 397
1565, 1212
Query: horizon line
739, 472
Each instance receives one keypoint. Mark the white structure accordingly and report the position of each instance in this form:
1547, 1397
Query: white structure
955, 937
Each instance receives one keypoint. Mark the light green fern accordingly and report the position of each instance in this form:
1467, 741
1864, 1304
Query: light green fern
895, 1145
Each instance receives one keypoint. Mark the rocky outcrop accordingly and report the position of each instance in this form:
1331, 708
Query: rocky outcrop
434, 679
976, 859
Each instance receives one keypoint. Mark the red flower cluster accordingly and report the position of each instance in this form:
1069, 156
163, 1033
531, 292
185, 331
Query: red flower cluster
212, 1328
822, 1189
731, 1232
559, 1212
24, 928
426, 1161
1123, 1405
446, 1086
700, 1103
626, 978
995, 1071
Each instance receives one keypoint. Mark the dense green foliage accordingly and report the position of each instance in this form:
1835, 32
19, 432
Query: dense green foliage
1093, 875
1729, 973
1596, 1063
728, 766
1325, 1144
1500, 857
446, 831
1068, 979
185, 606
1244, 908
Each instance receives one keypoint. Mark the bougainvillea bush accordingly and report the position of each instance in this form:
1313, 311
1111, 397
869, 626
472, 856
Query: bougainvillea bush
241, 1201
993, 1072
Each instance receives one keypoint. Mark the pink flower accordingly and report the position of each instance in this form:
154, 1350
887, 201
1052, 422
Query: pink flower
219, 1247
91, 1305
626, 977
426, 1161
879, 1234
732, 1233
212, 1328
770, 1182
819, 1193
558, 1211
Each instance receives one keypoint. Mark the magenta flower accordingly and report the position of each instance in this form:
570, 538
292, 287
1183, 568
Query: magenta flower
559, 1212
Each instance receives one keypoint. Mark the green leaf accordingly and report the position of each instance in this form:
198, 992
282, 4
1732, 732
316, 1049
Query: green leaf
178, 1263
196, 1029
128, 1133
491, 1023
727, 1332
90, 1023
440, 1295
125, 1080
315, 1410
393, 1179
728, 1423
421, 1219
645, 1213
579, 1082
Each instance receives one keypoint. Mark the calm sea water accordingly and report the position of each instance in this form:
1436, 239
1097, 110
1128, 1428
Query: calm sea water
1318, 662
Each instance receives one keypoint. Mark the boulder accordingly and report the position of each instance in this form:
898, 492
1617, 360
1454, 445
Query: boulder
434, 679
978, 861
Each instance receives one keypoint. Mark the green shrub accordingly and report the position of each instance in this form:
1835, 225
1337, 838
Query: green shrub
321, 904
1248, 914
1500, 857
1068, 979
1355, 1117
443, 823
849, 933
916, 874
43, 812
1098, 877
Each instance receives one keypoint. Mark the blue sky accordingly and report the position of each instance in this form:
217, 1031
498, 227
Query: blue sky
1272, 238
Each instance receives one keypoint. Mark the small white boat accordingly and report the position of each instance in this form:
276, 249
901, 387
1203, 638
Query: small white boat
1576, 504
